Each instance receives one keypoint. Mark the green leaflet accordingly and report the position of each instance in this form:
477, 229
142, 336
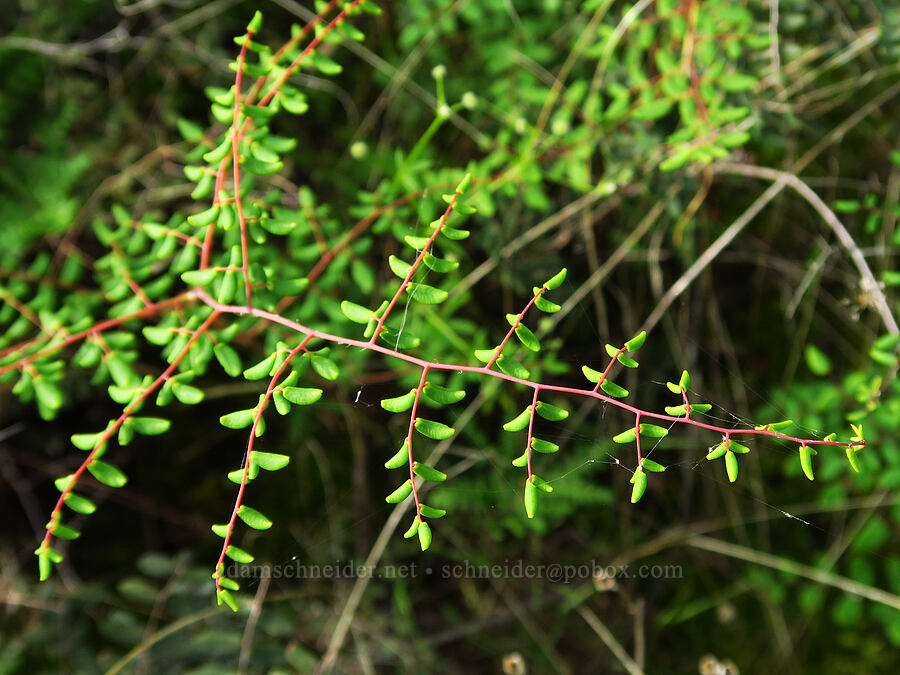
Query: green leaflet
150, 426
62, 483
806, 454
551, 412
399, 267
401, 493
228, 359
443, 395
485, 355
198, 277
531, 498
556, 280
238, 554
851, 457
398, 341
207, 216
731, 466
627, 436
302, 395
627, 361
356, 313
429, 473
440, 265
591, 374
80, 504
614, 390
454, 233
238, 419
527, 338
424, 535
224, 596
430, 512
775, 426
269, 461
186, 393
254, 518
413, 529
85, 441
519, 422
545, 305
400, 458
541, 484
107, 474
636, 342
650, 465
512, 367
427, 295
639, 481
678, 410
653, 431
417, 243
261, 369
717, 452
400, 403
433, 430
324, 367
540, 445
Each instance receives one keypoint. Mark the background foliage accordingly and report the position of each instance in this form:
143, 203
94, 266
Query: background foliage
625, 141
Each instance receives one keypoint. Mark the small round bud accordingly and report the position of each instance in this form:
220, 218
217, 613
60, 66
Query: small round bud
520, 125
559, 127
469, 100
439, 71
359, 150
444, 111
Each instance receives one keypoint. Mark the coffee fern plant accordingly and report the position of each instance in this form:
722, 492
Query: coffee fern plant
247, 267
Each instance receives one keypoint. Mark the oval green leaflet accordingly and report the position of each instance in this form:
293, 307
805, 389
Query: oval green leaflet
519, 422
254, 518
551, 412
400, 458
302, 395
731, 466
531, 497
269, 461
424, 535
442, 395
627, 436
639, 481
806, 454
433, 430
401, 493
400, 403
429, 473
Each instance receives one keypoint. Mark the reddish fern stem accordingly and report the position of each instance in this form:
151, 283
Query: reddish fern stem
412, 269
534, 402
637, 434
687, 405
244, 477
208, 240
276, 57
434, 365
97, 328
409, 440
609, 366
126, 413
334, 23
514, 326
